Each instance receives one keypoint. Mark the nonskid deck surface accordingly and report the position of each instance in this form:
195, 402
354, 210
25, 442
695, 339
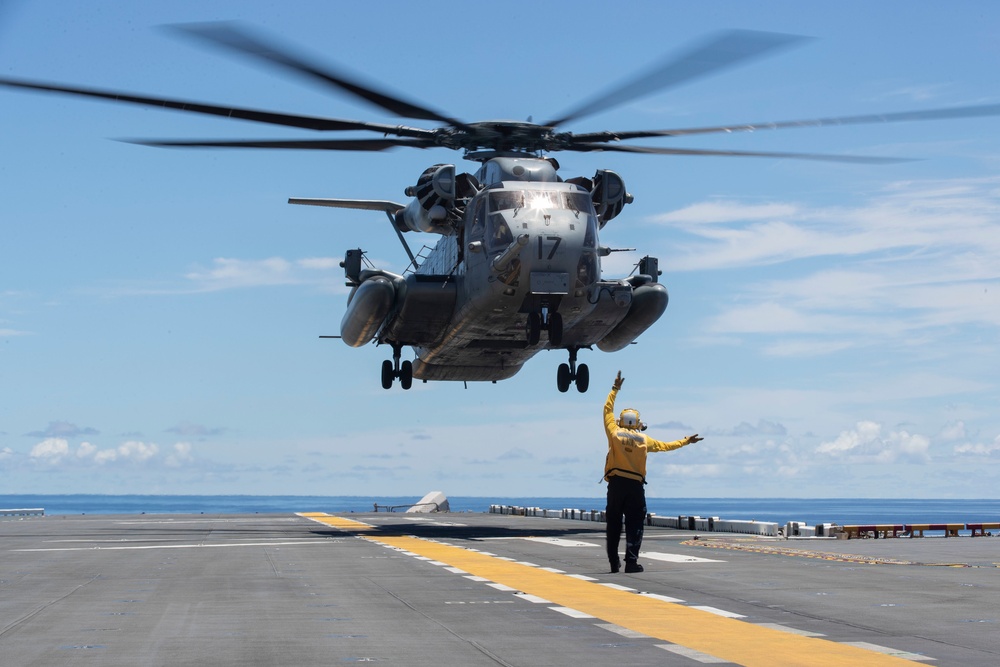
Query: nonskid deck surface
479, 589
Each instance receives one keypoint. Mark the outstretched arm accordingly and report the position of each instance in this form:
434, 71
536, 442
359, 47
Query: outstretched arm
660, 446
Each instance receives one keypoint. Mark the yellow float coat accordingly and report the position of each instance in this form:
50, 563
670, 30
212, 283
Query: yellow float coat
627, 447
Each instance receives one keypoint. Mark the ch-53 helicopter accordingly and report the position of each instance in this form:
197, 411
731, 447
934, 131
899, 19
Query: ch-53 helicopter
519, 251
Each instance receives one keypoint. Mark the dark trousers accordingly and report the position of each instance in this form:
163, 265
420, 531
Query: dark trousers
626, 497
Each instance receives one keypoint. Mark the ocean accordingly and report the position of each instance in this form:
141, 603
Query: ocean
779, 510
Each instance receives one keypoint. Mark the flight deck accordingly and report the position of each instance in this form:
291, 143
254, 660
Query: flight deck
459, 589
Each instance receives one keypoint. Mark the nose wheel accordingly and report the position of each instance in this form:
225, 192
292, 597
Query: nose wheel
548, 320
394, 370
570, 373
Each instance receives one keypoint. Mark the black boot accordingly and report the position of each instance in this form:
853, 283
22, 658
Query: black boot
616, 565
632, 566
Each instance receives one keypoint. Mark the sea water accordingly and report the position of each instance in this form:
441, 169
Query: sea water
777, 510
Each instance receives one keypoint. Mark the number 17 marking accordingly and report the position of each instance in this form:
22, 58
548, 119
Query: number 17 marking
556, 240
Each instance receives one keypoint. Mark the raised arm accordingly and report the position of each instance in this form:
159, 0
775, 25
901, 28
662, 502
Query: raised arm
609, 405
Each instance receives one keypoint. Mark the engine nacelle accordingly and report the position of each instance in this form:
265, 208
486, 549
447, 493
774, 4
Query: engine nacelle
609, 195
434, 198
415, 218
436, 186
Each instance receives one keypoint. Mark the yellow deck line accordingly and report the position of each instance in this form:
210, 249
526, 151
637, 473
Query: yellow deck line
730, 639
338, 522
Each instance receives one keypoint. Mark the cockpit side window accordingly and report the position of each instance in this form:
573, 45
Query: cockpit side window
580, 202
498, 232
590, 237
581, 205
478, 219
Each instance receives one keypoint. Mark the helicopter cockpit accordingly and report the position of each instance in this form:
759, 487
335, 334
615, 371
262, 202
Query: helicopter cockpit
506, 205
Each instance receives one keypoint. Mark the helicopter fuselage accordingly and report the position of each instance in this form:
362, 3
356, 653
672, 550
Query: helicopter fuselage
522, 258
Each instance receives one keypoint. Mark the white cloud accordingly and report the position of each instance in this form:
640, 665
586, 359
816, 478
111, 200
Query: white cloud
866, 444
619, 264
864, 432
787, 471
909, 266
58, 452
134, 450
180, 455
726, 211
953, 431
769, 318
229, 273
979, 449
50, 450
922, 217
319, 263
694, 470
104, 456
804, 348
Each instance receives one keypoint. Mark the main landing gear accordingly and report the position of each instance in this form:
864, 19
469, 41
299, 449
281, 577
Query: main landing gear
572, 374
393, 370
552, 322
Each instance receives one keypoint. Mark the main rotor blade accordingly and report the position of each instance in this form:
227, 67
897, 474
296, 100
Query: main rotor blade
389, 207
718, 53
306, 144
896, 117
255, 115
239, 40
822, 157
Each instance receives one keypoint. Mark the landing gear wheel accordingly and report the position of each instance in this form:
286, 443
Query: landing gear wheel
387, 373
582, 378
533, 328
392, 369
572, 374
555, 329
563, 378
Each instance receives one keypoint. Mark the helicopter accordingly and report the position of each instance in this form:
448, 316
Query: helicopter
517, 264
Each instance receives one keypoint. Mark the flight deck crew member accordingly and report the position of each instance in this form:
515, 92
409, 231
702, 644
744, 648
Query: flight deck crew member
625, 472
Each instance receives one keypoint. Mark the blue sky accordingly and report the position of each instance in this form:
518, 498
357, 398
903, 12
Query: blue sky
832, 329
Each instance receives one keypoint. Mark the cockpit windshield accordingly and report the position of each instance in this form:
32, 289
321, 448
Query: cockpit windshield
507, 200
512, 202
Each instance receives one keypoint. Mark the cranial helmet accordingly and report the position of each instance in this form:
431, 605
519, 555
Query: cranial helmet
629, 418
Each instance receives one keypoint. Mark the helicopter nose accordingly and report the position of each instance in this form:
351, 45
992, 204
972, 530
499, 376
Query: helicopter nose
555, 256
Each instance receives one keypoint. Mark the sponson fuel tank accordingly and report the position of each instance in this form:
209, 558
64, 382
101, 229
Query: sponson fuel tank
649, 302
367, 308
